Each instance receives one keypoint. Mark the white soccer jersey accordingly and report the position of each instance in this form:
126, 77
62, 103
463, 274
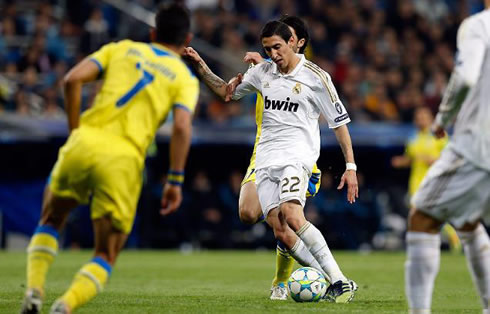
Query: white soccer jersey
472, 129
292, 105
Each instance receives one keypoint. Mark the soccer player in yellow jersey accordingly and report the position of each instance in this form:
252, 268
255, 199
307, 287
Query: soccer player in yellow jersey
103, 157
420, 153
249, 207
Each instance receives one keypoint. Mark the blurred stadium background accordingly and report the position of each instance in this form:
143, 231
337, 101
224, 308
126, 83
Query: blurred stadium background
386, 59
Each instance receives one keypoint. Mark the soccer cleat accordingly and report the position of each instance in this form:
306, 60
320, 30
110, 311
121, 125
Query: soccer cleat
32, 302
341, 291
59, 307
279, 292
353, 285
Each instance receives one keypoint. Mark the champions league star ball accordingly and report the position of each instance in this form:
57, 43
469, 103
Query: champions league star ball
307, 284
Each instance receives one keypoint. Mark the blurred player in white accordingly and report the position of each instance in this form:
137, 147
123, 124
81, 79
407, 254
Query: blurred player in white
295, 92
457, 186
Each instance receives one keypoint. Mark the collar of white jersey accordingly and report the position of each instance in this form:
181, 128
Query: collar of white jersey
275, 69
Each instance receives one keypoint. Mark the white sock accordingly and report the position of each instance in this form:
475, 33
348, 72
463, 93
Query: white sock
476, 246
421, 268
303, 256
316, 244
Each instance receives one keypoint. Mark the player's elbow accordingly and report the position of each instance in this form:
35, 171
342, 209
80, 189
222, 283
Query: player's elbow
70, 79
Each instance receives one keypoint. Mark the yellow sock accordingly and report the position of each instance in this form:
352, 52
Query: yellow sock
40, 254
284, 265
453, 239
89, 281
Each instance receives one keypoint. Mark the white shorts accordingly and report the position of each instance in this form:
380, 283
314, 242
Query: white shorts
279, 184
454, 190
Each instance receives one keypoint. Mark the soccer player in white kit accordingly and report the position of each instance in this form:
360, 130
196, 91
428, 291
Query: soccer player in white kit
457, 186
296, 92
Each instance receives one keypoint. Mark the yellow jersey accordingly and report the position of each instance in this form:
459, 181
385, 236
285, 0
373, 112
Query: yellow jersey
142, 83
424, 145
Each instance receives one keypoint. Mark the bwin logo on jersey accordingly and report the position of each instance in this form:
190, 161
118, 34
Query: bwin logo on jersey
281, 104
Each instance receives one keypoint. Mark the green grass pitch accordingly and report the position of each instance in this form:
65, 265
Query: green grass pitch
233, 282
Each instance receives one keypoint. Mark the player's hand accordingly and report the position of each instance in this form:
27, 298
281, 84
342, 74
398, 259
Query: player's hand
438, 131
253, 57
171, 199
232, 84
397, 161
350, 177
191, 54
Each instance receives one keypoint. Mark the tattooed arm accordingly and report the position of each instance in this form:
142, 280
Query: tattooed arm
214, 82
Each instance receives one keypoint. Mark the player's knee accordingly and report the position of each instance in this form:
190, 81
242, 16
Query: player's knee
247, 214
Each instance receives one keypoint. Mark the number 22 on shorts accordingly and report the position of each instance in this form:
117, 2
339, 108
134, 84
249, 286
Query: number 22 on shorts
290, 184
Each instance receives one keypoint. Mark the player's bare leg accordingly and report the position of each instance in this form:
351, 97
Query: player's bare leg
341, 290
284, 261
43, 247
92, 277
423, 258
250, 212
249, 209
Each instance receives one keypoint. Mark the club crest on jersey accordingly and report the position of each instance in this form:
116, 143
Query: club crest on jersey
266, 85
338, 107
297, 88
280, 104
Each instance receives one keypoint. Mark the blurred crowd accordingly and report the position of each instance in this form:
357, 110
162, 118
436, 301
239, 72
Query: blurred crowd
385, 57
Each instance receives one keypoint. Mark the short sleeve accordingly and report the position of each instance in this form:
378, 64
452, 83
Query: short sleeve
102, 56
329, 103
471, 46
187, 93
250, 83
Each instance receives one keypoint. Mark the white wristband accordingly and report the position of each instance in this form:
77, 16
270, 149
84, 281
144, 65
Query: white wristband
350, 166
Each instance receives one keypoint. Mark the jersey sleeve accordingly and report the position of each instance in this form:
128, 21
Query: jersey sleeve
329, 103
102, 56
250, 83
187, 92
471, 50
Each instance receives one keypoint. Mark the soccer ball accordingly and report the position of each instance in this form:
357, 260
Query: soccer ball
307, 284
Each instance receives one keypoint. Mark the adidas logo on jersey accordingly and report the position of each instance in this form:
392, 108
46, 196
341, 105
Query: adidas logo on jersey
281, 104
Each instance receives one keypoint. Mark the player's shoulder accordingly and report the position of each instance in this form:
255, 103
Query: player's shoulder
262, 67
126, 43
123, 46
480, 16
478, 23
313, 68
314, 73
167, 58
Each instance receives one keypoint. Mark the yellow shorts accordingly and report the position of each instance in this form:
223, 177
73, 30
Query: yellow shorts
313, 184
94, 163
